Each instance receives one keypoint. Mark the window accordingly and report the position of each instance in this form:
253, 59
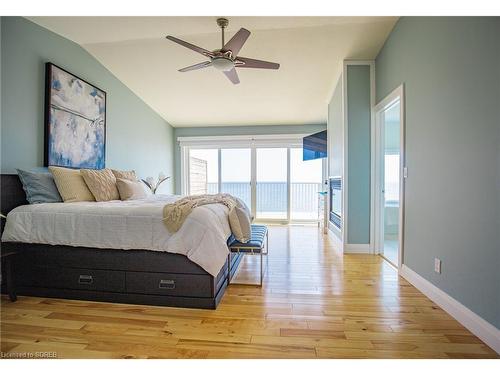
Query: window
306, 179
269, 175
236, 173
271, 183
203, 171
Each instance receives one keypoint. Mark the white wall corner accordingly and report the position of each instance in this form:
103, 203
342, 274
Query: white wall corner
473, 322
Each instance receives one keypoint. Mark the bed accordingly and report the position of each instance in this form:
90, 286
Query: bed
116, 251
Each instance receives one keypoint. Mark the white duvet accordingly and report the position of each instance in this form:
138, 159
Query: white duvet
134, 224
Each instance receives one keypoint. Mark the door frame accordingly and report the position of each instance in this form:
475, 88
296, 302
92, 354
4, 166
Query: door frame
396, 95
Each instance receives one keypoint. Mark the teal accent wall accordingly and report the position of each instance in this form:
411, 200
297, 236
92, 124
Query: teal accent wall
335, 132
450, 68
236, 130
358, 154
137, 137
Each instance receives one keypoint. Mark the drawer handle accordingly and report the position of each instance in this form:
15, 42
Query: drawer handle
85, 279
167, 284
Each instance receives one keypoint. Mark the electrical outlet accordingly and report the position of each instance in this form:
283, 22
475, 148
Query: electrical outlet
437, 265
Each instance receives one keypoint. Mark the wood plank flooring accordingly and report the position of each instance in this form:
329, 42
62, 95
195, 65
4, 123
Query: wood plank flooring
315, 303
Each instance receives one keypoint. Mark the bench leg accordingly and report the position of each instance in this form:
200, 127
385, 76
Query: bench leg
261, 268
228, 268
261, 253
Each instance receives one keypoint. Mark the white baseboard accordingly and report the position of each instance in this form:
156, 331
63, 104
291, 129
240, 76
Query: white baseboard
473, 322
337, 241
336, 231
357, 248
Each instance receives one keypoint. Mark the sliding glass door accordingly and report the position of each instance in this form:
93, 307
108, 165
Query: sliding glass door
306, 178
272, 183
236, 173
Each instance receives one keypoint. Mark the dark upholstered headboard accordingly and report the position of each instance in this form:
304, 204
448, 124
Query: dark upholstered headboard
12, 193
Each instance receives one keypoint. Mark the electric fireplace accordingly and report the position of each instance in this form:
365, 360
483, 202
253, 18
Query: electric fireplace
336, 201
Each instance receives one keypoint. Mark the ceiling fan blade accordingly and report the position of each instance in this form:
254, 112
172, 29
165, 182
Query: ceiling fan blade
252, 63
201, 65
236, 42
203, 51
232, 75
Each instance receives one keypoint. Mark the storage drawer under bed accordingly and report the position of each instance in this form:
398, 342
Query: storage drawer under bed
72, 278
169, 284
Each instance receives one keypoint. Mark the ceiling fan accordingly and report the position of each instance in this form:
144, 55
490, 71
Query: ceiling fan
226, 59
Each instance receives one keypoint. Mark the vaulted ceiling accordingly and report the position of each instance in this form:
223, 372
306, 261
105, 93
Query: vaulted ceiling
309, 49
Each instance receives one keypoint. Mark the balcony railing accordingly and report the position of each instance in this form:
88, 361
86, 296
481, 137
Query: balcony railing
272, 198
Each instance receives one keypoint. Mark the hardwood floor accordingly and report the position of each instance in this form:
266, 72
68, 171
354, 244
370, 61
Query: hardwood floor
315, 303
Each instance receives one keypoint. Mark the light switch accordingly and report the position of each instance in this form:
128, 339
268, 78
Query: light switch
437, 265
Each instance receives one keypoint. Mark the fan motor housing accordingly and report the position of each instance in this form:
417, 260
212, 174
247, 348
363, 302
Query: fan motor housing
222, 63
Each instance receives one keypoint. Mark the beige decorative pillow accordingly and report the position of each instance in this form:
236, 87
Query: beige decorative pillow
130, 189
71, 185
241, 221
240, 224
102, 184
241, 204
126, 175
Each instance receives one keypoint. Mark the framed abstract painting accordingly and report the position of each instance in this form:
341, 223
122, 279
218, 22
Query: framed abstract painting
75, 121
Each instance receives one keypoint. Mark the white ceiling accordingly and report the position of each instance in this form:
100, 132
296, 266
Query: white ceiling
309, 49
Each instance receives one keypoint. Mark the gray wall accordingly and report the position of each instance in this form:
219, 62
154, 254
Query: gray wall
137, 137
451, 71
236, 130
358, 154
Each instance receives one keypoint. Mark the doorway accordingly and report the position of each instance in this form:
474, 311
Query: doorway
389, 177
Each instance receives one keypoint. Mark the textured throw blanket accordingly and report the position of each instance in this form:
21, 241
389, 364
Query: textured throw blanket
239, 217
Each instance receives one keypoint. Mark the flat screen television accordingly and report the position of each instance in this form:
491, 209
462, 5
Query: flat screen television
314, 146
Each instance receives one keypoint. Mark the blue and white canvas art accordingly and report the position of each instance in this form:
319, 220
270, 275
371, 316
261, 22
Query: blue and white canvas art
75, 121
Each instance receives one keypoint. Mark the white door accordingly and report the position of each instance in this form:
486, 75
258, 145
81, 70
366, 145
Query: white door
389, 170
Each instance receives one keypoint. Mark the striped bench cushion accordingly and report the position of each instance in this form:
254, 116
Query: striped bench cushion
256, 242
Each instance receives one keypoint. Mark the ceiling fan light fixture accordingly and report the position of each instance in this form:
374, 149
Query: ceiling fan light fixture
227, 58
222, 63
